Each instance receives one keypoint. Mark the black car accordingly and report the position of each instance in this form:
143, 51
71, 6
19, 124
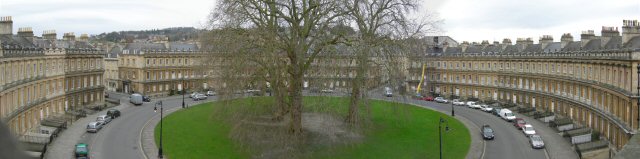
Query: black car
113, 113
146, 99
487, 132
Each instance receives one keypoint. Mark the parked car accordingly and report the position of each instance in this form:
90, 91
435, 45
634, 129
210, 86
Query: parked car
104, 119
519, 123
113, 113
486, 108
469, 103
487, 132
528, 130
507, 115
106, 95
387, 92
496, 111
199, 97
457, 102
427, 98
211, 93
475, 106
536, 141
441, 100
326, 91
146, 99
193, 94
82, 150
136, 99
94, 127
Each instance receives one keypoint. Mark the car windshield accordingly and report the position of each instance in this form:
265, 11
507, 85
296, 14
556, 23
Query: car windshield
508, 114
81, 149
488, 130
100, 118
528, 128
536, 138
520, 121
91, 126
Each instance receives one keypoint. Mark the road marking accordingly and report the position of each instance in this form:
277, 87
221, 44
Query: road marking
545, 153
484, 147
142, 129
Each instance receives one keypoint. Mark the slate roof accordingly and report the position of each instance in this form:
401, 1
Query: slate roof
15, 41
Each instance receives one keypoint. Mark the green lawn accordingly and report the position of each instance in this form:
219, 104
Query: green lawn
398, 131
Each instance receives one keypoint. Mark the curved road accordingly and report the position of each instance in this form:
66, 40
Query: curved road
121, 137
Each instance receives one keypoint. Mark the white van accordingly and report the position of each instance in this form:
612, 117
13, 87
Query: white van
136, 99
506, 114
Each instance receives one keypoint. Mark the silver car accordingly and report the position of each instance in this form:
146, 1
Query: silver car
199, 97
536, 141
104, 119
93, 127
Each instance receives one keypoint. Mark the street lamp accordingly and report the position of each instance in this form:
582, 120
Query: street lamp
183, 91
159, 103
439, 132
453, 112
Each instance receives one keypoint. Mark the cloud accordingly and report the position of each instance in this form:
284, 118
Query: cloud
98, 16
469, 20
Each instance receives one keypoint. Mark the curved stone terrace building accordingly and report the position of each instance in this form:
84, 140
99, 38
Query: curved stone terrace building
156, 69
593, 81
43, 76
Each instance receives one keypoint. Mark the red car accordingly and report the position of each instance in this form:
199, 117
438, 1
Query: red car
519, 123
427, 98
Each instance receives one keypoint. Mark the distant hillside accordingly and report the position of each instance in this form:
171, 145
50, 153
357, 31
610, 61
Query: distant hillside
173, 34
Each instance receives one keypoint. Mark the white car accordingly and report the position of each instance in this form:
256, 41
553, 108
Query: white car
457, 102
440, 100
211, 93
103, 119
469, 103
193, 94
475, 106
486, 108
528, 130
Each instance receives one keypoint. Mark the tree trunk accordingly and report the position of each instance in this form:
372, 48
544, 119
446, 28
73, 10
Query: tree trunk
356, 88
281, 106
295, 126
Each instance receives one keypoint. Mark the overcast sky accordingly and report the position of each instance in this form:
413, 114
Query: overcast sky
464, 20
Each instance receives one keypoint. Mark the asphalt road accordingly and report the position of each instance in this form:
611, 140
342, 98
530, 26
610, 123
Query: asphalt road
120, 138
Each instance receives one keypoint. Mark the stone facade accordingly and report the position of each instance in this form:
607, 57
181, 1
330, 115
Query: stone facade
593, 81
44, 76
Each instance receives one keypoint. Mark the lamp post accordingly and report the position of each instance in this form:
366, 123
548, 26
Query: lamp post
159, 103
453, 112
440, 132
183, 91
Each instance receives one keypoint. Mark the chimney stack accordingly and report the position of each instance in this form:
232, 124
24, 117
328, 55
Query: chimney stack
49, 34
6, 25
630, 29
565, 39
464, 46
506, 42
587, 36
26, 33
607, 34
69, 36
84, 37
545, 40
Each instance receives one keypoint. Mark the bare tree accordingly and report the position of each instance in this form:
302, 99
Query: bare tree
296, 29
380, 24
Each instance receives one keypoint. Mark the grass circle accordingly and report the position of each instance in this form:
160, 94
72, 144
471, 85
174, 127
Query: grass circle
396, 131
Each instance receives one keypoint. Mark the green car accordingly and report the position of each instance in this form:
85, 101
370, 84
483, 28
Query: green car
82, 150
